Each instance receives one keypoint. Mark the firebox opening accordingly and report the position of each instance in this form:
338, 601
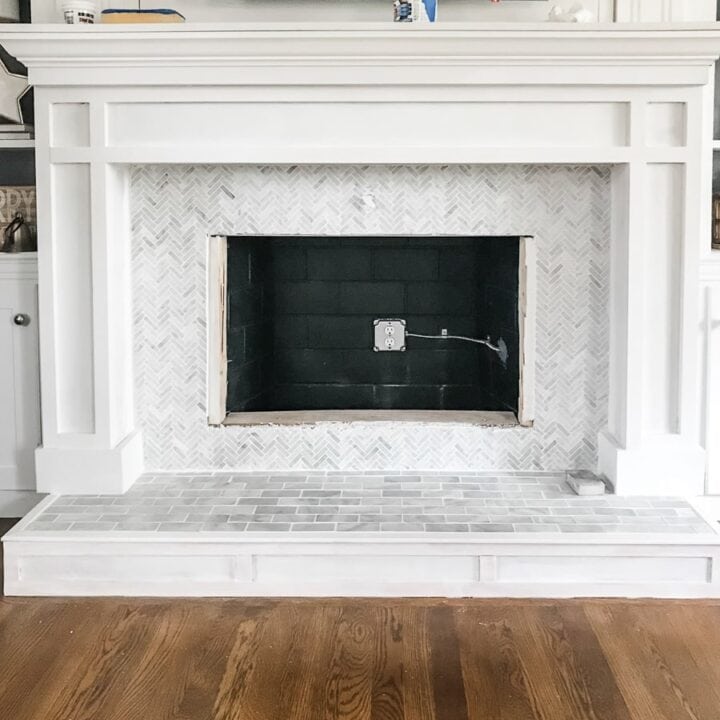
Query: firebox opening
300, 321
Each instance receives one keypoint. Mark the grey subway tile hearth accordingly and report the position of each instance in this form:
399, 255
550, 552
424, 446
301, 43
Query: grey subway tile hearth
456, 503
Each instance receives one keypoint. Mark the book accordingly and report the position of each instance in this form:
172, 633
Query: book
14, 129
13, 137
161, 15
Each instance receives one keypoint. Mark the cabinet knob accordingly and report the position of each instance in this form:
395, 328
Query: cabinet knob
22, 319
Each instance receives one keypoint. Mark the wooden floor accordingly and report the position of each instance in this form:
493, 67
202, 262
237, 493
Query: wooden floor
375, 660
5, 525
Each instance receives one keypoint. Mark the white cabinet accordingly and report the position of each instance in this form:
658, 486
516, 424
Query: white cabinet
19, 373
711, 303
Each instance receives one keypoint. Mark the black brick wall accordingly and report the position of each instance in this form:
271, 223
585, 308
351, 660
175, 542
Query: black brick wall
250, 320
300, 331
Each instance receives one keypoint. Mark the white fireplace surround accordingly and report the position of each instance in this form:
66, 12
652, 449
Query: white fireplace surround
633, 97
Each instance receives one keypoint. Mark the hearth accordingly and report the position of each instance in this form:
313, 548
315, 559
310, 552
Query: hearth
303, 316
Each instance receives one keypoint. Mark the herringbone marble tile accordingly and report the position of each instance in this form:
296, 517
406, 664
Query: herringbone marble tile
175, 208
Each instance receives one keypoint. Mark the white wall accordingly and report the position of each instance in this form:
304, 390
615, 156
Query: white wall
339, 10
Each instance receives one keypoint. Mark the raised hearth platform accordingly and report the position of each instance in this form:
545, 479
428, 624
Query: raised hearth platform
452, 535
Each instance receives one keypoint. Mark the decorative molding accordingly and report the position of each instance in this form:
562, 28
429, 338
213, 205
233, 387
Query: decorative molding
172, 55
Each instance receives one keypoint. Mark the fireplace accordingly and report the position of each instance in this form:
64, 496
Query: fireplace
314, 325
595, 141
160, 152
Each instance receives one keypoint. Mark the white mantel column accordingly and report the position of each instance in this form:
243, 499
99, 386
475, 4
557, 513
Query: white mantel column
652, 443
89, 441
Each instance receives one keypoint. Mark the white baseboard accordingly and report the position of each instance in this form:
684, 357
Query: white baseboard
18, 503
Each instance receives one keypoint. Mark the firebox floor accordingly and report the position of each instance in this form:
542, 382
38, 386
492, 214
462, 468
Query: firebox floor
362, 503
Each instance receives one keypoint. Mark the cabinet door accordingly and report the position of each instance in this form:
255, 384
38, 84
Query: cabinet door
19, 385
712, 388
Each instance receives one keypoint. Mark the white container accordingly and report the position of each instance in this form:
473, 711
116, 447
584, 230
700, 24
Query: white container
9, 10
79, 12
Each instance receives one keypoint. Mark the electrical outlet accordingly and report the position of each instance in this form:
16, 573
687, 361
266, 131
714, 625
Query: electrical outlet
389, 335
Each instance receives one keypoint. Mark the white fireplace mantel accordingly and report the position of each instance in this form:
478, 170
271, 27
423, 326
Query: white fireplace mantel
638, 98
211, 55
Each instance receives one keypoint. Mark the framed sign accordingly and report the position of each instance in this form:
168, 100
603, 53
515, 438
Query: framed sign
18, 199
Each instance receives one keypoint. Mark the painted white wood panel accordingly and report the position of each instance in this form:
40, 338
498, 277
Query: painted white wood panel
660, 331
72, 294
112, 316
369, 569
604, 569
487, 124
70, 125
711, 358
666, 124
162, 569
19, 385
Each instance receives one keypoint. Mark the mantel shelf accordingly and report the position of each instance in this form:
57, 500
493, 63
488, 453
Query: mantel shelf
210, 54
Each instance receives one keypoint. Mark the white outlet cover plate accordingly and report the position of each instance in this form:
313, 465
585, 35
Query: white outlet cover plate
389, 335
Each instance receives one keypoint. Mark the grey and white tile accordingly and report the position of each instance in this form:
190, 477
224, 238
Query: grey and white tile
225, 506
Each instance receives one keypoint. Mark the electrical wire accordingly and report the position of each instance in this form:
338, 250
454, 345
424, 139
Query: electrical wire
487, 343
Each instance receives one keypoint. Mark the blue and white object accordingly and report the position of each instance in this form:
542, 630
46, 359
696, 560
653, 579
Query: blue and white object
415, 10
428, 10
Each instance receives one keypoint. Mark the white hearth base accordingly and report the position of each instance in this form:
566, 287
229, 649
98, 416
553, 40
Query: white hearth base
360, 564
149, 541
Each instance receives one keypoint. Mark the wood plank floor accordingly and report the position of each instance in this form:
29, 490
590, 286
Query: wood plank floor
111, 659
5, 525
